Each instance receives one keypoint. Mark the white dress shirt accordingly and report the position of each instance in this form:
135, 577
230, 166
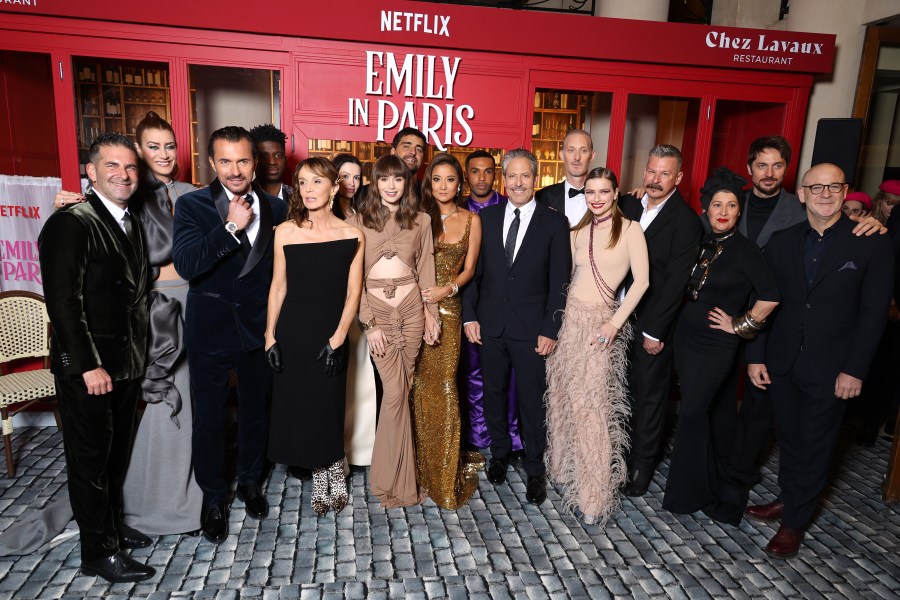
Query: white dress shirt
575, 206
649, 214
525, 213
253, 228
115, 210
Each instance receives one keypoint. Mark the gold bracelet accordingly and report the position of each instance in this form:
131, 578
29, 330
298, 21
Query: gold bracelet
454, 289
367, 325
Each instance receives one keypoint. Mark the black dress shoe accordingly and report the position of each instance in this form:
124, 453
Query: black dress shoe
639, 482
214, 523
254, 500
130, 538
536, 490
517, 456
299, 473
496, 472
118, 568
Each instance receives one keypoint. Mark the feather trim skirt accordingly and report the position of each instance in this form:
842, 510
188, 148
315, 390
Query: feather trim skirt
587, 411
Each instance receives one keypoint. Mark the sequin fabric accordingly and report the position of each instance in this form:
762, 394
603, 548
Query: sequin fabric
448, 474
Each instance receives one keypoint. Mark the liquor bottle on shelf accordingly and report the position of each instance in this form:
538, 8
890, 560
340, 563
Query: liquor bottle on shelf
554, 102
138, 78
537, 99
536, 127
129, 76
108, 76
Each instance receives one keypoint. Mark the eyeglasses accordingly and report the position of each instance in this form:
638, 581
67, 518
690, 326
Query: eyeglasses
818, 188
709, 252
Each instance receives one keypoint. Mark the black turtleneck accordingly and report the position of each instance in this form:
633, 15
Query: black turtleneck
758, 212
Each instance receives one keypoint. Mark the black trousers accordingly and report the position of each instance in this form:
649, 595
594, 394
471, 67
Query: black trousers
650, 378
498, 354
97, 437
808, 420
752, 429
210, 372
696, 478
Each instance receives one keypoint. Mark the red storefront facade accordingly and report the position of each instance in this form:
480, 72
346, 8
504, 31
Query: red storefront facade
470, 77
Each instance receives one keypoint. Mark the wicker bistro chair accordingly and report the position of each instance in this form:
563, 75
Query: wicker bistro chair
24, 333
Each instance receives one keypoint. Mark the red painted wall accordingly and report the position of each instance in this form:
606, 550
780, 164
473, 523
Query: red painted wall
28, 143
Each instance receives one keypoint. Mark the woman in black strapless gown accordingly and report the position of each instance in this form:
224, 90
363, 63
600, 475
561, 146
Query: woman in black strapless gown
315, 292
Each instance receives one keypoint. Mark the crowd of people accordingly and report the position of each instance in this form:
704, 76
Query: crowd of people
541, 326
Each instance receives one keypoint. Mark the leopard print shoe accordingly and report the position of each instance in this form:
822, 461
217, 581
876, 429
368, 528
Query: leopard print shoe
320, 499
337, 484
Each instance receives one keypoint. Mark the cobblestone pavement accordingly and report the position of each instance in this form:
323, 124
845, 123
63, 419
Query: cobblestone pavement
496, 547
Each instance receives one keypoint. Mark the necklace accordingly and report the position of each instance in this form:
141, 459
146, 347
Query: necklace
447, 216
602, 219
603, 287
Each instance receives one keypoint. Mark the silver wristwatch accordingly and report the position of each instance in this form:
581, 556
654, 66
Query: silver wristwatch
231, 227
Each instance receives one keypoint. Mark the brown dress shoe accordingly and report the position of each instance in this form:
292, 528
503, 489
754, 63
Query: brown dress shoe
786, 543
765, 513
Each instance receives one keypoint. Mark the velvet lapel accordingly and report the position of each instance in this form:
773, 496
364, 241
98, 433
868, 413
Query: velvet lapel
263, 236
220, 199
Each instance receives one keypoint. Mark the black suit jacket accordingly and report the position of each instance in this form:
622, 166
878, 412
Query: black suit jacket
95, 284
840, 318
553, 196
673, 239
523, 301
229, 287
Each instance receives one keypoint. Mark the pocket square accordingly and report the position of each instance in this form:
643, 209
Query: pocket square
850, 265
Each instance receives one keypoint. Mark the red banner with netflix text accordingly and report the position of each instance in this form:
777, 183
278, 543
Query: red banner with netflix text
25, 205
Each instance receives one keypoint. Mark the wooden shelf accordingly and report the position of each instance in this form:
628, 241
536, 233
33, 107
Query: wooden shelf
102, 85
556, 112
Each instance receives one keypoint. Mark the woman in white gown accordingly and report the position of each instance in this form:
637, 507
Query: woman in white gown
360, 416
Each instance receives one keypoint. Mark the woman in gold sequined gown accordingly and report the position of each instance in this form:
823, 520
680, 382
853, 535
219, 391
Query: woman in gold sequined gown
446, 473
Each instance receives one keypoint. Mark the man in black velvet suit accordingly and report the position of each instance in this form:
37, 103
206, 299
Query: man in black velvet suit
567, 196
510, 309
223, 246
95, 272
835, 289
672, 230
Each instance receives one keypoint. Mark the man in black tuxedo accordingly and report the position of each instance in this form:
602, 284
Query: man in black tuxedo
95, 273
223, 246
835, 290
511, 307
567, 197
672, 230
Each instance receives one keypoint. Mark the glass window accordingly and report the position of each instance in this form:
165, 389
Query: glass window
222, 96
113, 96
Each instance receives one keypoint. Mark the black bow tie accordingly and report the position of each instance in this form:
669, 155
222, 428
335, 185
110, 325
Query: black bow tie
575, 191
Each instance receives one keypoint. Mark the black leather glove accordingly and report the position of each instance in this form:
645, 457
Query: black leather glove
273, 357
335, 359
